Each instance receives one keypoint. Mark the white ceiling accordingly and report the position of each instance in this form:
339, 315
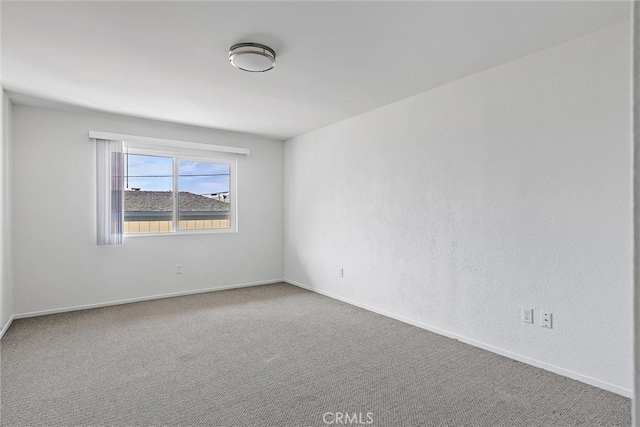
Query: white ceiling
169, 60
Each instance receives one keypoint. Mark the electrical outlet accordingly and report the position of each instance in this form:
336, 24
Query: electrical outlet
179, 269
342, 272
545, 319
527, 315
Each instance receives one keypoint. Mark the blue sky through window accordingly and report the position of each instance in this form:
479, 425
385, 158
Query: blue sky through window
154, 173
203, 177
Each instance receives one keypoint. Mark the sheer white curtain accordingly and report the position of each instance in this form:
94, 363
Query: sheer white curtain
110, 179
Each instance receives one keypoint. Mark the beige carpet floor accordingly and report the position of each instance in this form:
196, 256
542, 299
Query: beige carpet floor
272, 355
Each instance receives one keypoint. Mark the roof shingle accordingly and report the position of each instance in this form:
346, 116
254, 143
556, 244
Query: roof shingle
162, 201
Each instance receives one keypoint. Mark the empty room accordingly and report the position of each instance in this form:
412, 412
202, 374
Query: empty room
318, 213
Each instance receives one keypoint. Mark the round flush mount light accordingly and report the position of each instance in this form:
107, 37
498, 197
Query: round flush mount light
252, 57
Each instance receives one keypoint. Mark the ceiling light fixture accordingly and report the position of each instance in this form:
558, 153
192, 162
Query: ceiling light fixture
252, 57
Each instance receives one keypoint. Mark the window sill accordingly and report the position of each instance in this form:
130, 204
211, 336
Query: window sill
181, 233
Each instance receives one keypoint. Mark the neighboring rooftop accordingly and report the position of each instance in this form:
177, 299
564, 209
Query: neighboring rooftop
162, 201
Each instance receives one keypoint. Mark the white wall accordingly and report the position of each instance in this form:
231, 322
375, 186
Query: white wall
56, 261
636, 184
455, 208
6, 262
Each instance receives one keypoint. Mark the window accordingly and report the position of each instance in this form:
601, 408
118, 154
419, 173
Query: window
148, 185
171, 193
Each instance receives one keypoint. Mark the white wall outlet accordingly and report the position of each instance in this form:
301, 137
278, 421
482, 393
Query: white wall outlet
545, 319
179, 269
527, 315
342, 272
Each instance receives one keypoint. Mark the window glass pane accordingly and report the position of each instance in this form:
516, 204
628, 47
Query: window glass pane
148, 198
203, 199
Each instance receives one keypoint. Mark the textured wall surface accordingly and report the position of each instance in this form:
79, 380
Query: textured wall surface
4, 317
456, 207
636, 213
57, 263
6, 232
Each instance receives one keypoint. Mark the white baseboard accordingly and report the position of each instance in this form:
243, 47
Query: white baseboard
6, 327
515, 356
138, 299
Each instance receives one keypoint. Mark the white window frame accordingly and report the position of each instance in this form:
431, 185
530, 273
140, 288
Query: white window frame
178, 154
